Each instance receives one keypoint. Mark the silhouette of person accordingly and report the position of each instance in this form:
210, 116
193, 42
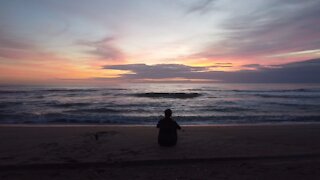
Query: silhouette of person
167, 130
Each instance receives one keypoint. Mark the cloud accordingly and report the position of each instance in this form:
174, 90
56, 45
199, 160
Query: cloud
222, 65
11, 43
274, 28
14, 47
254, 66
201, 6
104, 48
159, 71
299, 72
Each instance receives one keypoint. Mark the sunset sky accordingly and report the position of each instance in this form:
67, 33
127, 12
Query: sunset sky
103, 41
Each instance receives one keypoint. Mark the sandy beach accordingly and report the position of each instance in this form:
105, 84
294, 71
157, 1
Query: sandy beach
132, 152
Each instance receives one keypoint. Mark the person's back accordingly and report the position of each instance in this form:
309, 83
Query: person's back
168, 130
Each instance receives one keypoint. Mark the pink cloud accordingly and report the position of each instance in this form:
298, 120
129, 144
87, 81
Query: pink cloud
105, 49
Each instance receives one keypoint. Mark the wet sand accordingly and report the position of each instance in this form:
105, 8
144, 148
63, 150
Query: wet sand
131, 152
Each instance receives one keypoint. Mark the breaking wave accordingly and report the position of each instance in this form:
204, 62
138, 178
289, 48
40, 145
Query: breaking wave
167, 95
288, 96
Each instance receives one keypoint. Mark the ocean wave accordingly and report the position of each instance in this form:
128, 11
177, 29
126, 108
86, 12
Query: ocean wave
46, 91
66, 105
142, 105
277, 90
95, 110
300, 106
61, 90
288, 96
68, 90
118, 119
226, 109
83, 90
115, 89
8, 104
13, 92
257, 90
108, 110
251, 119
167, 95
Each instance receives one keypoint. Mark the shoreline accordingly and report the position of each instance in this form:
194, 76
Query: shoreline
153, 125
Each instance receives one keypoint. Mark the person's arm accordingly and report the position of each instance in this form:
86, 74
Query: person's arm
178, 127
158, 125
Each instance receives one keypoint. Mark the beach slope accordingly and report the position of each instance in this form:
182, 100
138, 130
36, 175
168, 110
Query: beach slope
131, 152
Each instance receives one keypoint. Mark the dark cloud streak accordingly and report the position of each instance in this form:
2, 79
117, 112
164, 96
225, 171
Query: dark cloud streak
159, 71
201, 6
300, 72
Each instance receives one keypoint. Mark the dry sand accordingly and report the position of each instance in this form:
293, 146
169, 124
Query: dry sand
132, 152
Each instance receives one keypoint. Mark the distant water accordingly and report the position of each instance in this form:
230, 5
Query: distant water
145, 103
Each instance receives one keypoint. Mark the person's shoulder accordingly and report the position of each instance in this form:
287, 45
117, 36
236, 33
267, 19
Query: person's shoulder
160, 121
174, 122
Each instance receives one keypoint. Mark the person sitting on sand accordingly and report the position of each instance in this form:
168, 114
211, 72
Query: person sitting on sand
168, 130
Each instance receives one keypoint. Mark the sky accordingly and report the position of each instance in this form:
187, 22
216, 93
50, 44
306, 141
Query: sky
106, 41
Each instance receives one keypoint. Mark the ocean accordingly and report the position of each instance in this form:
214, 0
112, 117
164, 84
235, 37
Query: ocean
193, 104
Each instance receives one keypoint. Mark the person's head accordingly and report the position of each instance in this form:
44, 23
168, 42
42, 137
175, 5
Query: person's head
168, 113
